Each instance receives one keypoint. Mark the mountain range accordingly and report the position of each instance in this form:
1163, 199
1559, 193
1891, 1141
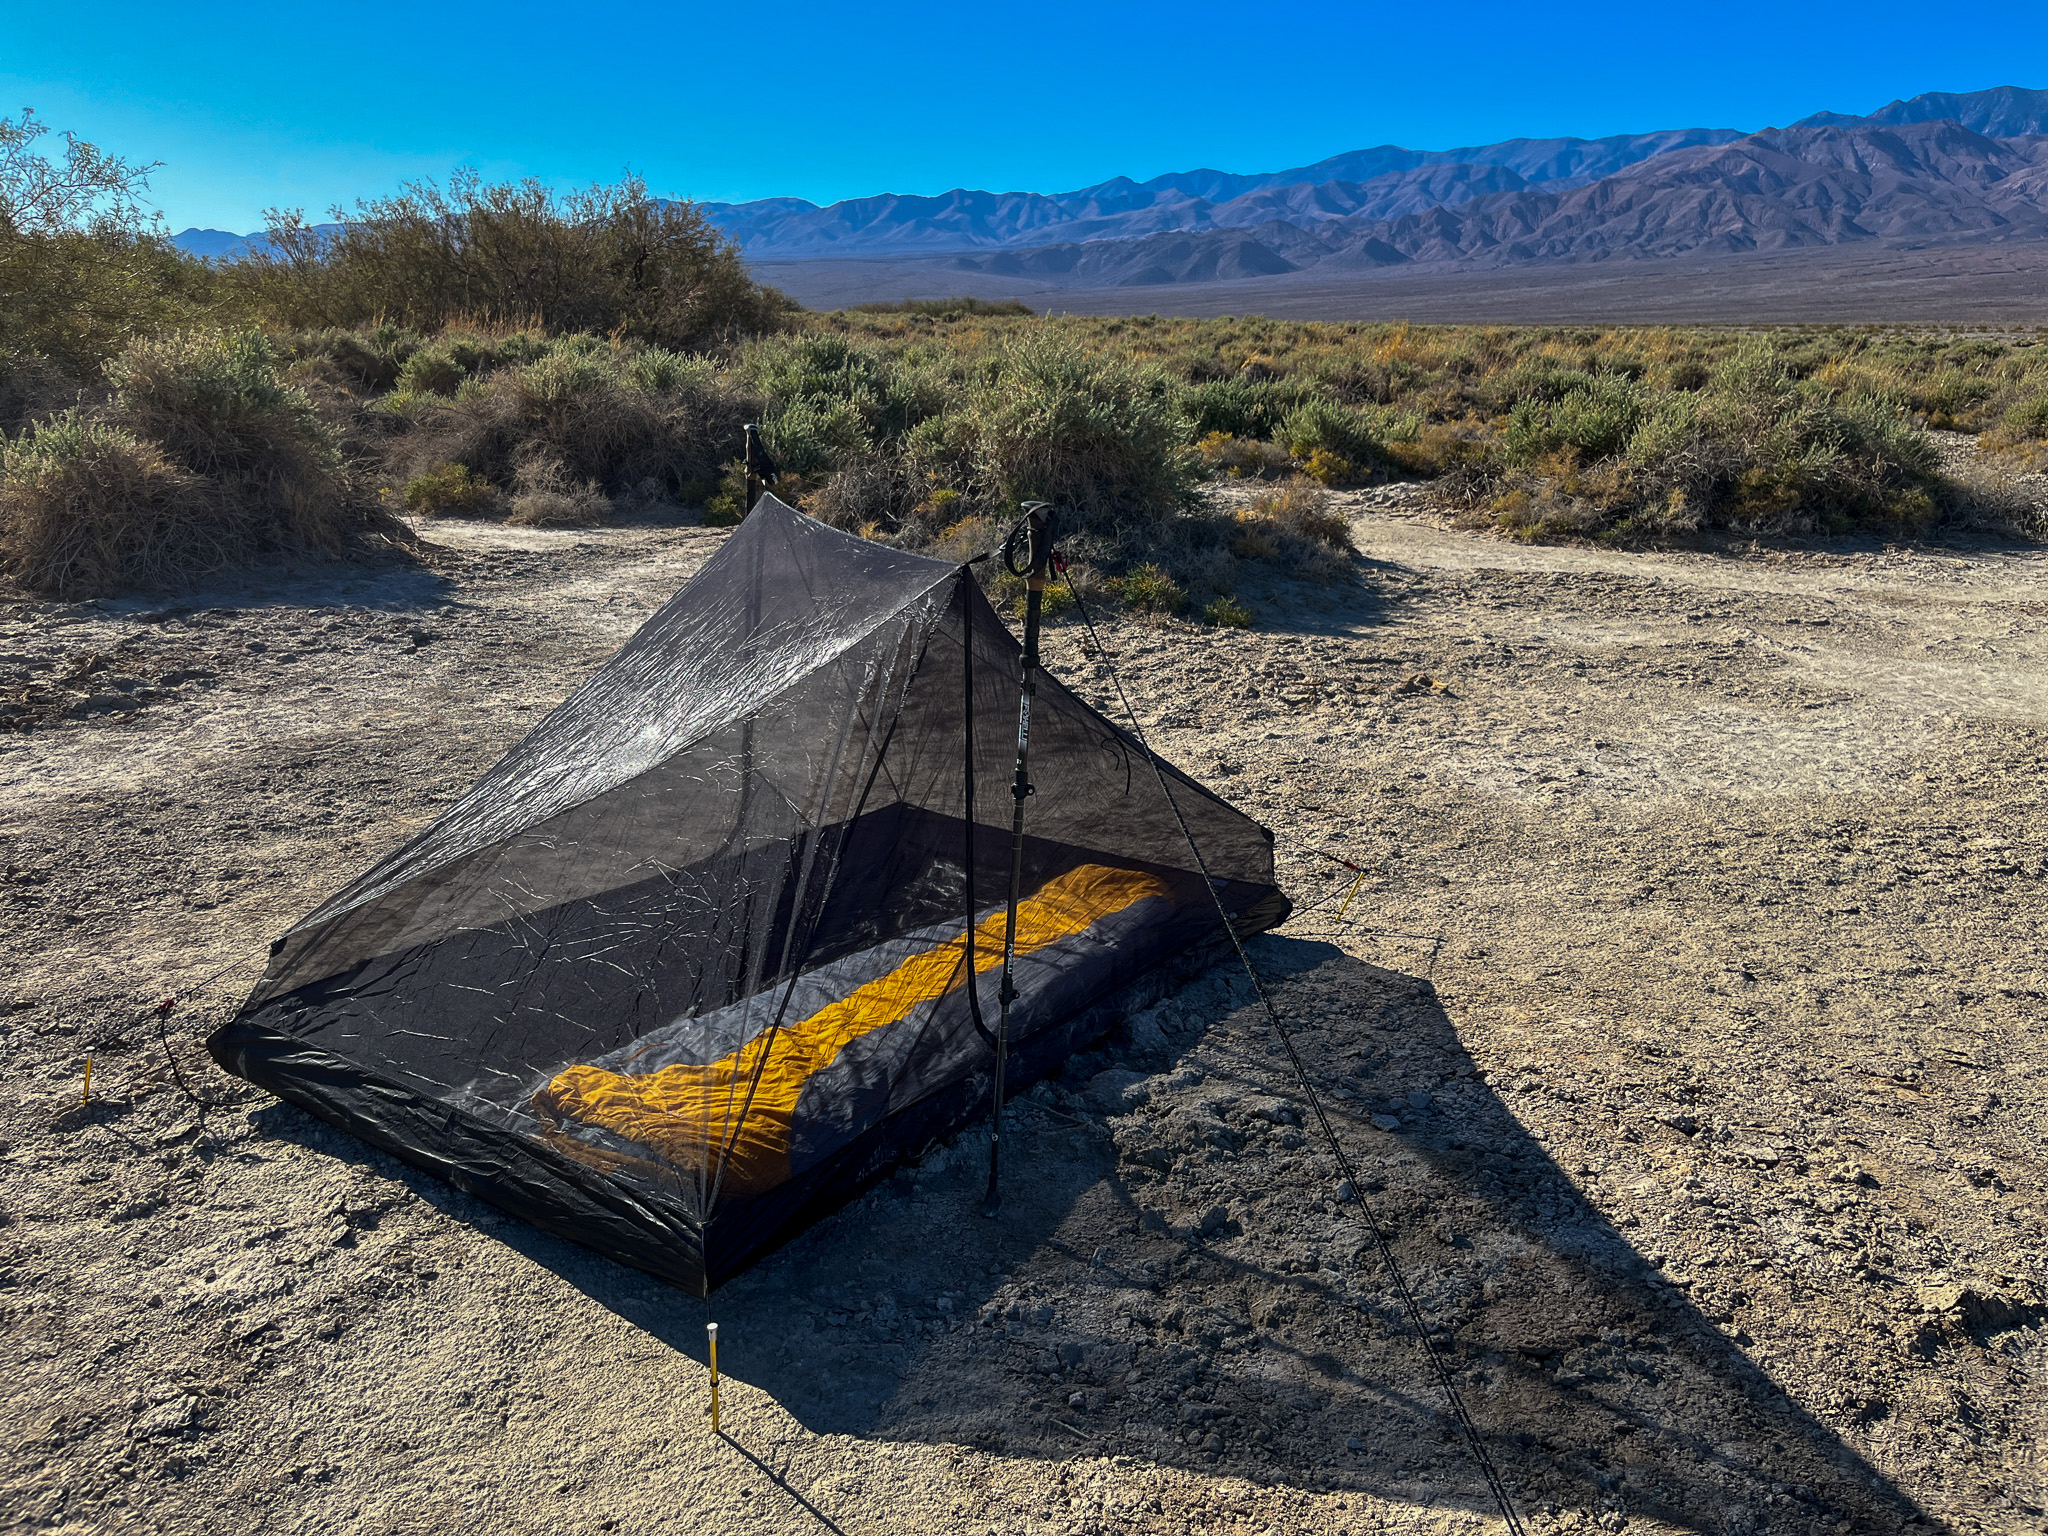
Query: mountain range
1939, 168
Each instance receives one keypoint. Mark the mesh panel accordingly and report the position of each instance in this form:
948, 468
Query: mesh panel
714, 923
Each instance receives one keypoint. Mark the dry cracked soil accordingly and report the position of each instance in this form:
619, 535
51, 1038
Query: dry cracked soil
1680, 1019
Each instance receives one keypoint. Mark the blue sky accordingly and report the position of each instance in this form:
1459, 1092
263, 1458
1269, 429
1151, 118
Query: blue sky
309, 104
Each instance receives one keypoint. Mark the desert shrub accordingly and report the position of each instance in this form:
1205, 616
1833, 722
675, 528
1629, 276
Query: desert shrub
215, 403
431, 371
1756, 448
544, 496
1295, 527
1338, 431
1238, 407
83, 269
2029, 418
582, 406
1227, 612
371, 358
613, 260
1594, 420
449, 489
1235, 458
660, 371
1327, 468
886, 492
88, 509
1094, 435
2021, 436
1149, 589
831, 399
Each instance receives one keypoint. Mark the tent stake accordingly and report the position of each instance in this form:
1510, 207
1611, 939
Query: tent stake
711, 1333
1036, 533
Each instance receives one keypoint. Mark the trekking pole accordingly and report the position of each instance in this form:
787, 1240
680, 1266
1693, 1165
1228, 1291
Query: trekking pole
1032, 541
761, 469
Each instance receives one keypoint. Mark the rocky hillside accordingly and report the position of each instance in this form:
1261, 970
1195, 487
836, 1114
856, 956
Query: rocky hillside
1938, 169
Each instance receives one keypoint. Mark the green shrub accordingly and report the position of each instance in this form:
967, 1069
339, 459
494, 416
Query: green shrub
1227, 612
1094, 435
83, 269
610, 260
660, 371
1340, 432
585, 407
2029, 418
1149, 589
1239, 407
448, 489
215, 403
431, 371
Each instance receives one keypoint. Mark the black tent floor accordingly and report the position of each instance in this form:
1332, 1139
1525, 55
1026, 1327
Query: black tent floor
526, 1178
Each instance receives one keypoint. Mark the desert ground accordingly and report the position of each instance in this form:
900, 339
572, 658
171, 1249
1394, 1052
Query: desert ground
1999, 285
1684, 1027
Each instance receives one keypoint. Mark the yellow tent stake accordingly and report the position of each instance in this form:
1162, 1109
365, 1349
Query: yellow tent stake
1347, 897
86, 1097
711, 1331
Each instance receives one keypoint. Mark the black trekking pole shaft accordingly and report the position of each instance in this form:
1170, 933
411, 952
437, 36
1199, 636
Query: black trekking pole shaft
1039, 558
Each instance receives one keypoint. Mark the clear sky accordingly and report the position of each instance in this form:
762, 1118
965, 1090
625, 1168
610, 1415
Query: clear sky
308, 104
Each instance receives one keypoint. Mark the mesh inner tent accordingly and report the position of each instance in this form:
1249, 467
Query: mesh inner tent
697, 958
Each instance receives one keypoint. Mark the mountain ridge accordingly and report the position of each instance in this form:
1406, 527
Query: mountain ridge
1935, 167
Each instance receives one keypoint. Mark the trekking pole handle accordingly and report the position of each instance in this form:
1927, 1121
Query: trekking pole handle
1031, 540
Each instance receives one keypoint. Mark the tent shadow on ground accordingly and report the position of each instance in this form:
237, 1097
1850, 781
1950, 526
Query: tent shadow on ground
1096, 1317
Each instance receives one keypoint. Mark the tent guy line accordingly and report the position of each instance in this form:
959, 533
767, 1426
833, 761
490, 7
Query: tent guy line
1417, 1319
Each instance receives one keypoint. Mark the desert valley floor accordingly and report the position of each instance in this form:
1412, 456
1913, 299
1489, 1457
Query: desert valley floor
1686, 1028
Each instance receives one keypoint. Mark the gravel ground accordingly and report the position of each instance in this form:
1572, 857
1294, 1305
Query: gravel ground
1682, 1025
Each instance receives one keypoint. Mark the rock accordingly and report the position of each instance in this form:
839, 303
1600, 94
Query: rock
1214, 1220
1386, 1122
1980, 1307
1117, 1090
1418, 1100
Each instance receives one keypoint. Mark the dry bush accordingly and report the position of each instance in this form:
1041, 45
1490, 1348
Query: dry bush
1294, 527
203, 459
214, 402
614, 260
583, 408
1987, 496
546, 496
1237, 458
88, 509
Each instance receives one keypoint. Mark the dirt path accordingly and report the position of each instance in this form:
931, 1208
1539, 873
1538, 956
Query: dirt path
1684, 1027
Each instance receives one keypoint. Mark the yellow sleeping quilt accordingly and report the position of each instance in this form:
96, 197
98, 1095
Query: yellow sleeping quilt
689, 1115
